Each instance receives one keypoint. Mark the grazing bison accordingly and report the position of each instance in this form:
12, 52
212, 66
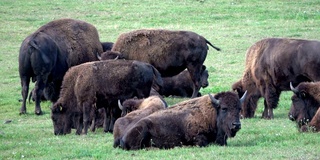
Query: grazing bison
198, 121
106, 46
93, 85
305, 103
46, 55
271, 64
169, 51
181, 84
140, 108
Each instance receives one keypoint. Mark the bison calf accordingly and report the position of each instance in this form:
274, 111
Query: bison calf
93, 85
199, 121
181, 84
141, 108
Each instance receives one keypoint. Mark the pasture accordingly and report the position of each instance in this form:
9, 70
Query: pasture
232, 25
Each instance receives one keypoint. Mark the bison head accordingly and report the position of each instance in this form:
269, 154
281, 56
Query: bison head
129, 106
204, 77
304, 103
228, 108
63, 120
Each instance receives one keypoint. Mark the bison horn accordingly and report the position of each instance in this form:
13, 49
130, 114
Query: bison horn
116, 58
98, 56
214, 101
294, 90
243, 97
120, 105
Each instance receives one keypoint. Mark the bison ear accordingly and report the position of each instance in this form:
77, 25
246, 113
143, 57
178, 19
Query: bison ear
215, 102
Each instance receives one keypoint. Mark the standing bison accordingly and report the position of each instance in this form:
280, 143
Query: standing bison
169, 51
46, 55
93, 85
181, 84
140, 108
305, 105
198, 121
271, 64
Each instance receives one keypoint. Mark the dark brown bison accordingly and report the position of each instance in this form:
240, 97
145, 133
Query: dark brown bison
169, 51
181, 84
93, 85
140, 108
106, 46
271, 64
46, 55
305, 104
198, 121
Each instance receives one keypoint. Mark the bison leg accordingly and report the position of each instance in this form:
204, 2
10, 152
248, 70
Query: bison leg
39, 86
194, 72
107, 119
24, 92
201, 140
271, 102
87, 107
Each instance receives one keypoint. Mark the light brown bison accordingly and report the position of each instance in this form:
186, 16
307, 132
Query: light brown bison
181, 84
140, 108
169, 51
46, 55
93, 85
198, 121
305, 104
271, 64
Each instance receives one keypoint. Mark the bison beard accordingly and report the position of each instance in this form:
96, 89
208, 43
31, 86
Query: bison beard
271, 64
46, 55
93, 85
169, 51
199, 121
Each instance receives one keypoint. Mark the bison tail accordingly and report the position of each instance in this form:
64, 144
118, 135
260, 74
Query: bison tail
218, 49
157, 79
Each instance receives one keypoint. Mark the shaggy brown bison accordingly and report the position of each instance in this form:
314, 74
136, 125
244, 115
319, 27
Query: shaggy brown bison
169, 51
46, 55
271, 64
140, 108
181, 84
198, 121
305, 104
93, 85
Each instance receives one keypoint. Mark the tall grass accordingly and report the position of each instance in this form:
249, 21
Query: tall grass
231, 25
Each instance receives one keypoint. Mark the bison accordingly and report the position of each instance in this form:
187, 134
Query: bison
93, 85
50, 51
181, 84
140, 108
198, 121
271, 64
169, 51
305, 104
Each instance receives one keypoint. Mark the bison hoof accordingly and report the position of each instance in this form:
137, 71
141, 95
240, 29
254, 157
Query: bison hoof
22, 112
38, 112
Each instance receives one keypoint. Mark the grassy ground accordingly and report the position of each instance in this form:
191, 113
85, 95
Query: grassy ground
231, 25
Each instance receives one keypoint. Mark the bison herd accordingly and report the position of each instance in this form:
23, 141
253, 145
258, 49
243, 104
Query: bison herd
121, 85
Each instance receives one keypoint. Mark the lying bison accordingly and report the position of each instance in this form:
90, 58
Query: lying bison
198, 121
181, 84
46, 55
140, 108
271, 64
169, 51
93, 85
305, 104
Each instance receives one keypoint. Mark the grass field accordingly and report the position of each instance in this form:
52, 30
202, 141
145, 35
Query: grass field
232, 25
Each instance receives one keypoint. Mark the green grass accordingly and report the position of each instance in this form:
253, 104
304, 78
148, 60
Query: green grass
231, 25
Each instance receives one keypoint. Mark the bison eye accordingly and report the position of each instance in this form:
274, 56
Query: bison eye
224, 109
